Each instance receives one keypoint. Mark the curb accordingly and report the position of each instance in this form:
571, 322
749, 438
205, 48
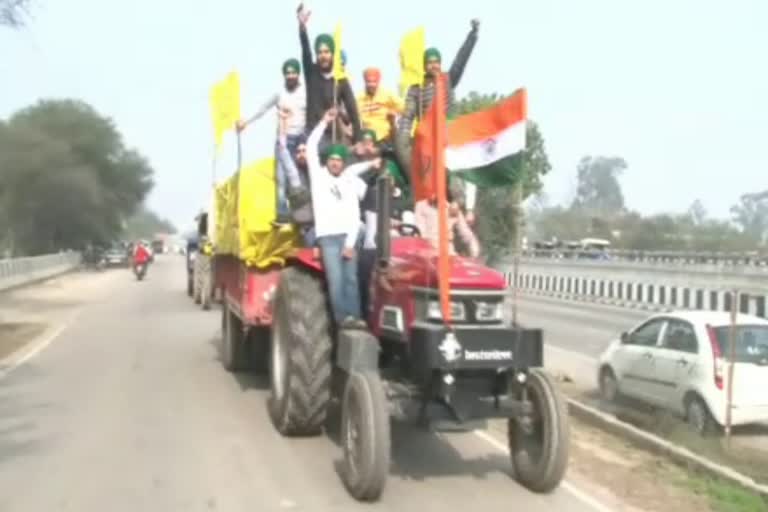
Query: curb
679, 455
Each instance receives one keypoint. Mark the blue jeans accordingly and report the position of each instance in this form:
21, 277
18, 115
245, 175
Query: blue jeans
282, 178
341, 277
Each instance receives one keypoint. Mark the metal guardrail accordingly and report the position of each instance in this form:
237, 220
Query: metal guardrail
676, 258
19, 271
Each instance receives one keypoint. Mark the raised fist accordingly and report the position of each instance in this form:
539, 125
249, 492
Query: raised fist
475, 24
302, 15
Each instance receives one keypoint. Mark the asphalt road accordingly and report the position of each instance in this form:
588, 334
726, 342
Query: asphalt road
129, 409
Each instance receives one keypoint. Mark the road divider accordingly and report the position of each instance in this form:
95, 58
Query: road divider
21, 271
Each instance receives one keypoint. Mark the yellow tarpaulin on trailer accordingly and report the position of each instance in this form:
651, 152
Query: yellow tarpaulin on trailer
245, 210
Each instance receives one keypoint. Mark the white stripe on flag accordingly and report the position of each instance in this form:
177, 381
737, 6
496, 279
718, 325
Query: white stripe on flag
479, 154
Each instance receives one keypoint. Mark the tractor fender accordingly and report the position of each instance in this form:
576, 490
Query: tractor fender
357, 350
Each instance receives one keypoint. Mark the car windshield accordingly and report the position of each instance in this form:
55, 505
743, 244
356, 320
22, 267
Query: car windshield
751, 343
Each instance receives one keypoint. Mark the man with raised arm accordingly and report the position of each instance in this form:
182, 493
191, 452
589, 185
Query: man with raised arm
336, 193
322, 93
291, 106
419, 98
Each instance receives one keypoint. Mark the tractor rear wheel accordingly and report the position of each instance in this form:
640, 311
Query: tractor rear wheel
300, 355
235, 353
539, 444
365, 436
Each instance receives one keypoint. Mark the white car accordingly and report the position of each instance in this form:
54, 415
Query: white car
679, 361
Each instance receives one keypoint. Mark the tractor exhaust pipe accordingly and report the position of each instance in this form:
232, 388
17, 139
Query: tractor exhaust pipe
383, 220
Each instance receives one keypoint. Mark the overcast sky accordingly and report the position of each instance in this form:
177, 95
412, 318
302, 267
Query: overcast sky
679, 88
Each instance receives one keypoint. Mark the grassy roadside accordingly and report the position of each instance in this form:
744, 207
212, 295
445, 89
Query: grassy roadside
15, 335
739, 456
718, 495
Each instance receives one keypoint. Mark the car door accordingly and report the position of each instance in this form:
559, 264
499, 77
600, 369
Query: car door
676, 363
636, 363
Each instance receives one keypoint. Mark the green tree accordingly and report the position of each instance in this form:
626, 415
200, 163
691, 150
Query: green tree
66, 178
496, 210
599, 191
145, 223
751, 215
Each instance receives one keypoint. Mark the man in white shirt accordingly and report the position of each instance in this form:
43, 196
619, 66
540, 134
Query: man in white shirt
336, 192
291, 105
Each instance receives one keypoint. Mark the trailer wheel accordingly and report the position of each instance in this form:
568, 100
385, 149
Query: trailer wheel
365, 436
300, 361
234, 346
205, 291
539, 447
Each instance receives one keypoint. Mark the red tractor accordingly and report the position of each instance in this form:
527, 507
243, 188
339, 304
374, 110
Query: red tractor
411, 362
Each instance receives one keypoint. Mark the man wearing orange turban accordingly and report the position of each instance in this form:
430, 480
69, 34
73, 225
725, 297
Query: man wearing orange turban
378, 106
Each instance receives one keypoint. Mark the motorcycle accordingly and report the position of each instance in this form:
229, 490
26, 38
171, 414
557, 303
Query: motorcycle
140, 270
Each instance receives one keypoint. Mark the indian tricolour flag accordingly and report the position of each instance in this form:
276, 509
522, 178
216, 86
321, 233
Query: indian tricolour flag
481, 145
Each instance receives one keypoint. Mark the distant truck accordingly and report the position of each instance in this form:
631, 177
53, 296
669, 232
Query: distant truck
158, 246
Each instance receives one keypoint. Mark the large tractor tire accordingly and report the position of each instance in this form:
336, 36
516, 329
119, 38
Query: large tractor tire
258, 343
365, 436
539, 451
300, 355
235, 355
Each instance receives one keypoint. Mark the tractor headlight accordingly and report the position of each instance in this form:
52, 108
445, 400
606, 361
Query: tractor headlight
434, 311
488, 311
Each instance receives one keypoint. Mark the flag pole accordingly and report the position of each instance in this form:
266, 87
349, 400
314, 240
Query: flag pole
444, 259
334, 104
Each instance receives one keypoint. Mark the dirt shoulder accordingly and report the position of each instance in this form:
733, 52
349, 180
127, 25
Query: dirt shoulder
625, 477
27, 312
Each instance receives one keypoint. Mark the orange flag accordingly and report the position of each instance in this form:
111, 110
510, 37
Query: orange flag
423, 155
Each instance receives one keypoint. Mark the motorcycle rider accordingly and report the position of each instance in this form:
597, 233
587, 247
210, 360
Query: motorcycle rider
140, 256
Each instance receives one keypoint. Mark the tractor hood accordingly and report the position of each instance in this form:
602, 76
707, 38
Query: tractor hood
414, 260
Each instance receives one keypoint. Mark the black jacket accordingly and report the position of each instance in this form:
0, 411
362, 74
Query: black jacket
319, 89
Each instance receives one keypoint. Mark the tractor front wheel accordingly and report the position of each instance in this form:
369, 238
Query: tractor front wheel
539, 443
365, 436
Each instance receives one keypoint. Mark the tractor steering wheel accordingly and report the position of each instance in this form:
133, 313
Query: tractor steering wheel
405, 229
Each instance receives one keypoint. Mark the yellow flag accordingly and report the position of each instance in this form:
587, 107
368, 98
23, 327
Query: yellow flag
225, 105
412, 48
338, 67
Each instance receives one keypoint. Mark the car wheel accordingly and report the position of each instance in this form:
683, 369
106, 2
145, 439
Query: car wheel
609, 386
698, 416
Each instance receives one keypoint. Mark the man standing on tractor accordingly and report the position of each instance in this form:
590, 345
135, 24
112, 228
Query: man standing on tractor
323, 91
427, 221
295, 162
291, 104
419, 99
336, 207
378, 106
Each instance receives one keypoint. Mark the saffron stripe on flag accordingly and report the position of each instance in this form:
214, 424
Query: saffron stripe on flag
486, 151
486, 124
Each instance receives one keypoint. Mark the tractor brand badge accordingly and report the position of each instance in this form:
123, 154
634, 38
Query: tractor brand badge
488, 355
450, 348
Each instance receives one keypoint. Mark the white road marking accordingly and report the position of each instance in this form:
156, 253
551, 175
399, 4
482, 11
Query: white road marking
18, 358
571, 353
575, 491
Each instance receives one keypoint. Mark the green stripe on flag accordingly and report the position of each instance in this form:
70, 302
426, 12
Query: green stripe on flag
503, 172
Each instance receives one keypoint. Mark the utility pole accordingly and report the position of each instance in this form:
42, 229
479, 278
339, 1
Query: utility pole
731, 359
